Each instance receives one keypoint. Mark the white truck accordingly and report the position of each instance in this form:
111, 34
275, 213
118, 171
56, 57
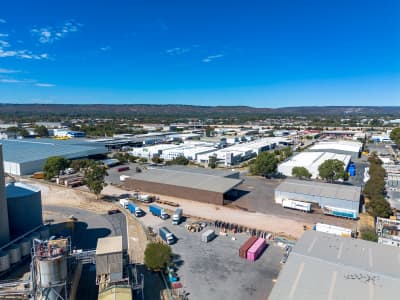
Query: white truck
298, 205
124, 202
177, 216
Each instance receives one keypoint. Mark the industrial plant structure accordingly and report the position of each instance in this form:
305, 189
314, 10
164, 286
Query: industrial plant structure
324, 194
4, 227
24, 204
311, 161
326, 266
181, 184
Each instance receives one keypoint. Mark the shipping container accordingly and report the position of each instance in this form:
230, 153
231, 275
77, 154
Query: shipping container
246, 246
208, 236
255, 251
121, 169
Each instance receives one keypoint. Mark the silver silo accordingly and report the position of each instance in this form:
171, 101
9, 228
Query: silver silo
15, 253
52, 270
4, 261
4, 227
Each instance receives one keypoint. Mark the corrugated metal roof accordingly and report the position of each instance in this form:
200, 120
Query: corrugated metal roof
27, 150
346, 269
109, 245
206, 171
188, 179
321, 189
116, 293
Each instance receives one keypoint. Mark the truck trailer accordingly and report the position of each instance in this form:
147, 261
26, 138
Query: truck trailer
133, 209
166, 235
298, 205
124, 203
158, 211
331, 229
340, 212
177, 216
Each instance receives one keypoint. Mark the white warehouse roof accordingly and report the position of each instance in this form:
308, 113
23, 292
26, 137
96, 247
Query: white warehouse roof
311, 161
348, 146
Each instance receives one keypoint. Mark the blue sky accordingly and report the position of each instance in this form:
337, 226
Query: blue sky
258, 53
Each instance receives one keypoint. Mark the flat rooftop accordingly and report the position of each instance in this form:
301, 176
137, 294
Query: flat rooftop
197, 170
324, 266
187, 179
109, 245
26, 150
320, 189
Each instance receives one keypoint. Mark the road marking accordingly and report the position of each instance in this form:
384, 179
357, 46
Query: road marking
370, 258
371, 290
340, 251
296, 281
332, 287
312, 245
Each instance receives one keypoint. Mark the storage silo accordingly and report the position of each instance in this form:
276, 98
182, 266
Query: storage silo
44, 232
26, 245
24, 203
4, 261
4, 227
15, 253
53, 270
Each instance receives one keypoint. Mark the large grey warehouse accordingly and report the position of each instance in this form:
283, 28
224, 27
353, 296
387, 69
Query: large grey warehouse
324, 194
325, 266
187, 184
26, 156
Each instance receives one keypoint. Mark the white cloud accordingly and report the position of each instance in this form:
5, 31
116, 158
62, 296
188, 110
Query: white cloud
24, 54
8, 71
4, 44
45, 84
3, 21
212, 57
106, 48
177, 51
3, 34
48, 35
7, 80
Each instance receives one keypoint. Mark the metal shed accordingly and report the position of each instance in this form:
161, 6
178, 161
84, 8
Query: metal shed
324, 194
109, 263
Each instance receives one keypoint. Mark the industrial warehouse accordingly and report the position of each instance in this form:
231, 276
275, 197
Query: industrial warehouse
311, 161
182, 184
328, 196
325, 266
24, 157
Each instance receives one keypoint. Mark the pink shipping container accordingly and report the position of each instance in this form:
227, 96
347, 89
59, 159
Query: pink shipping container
254, 252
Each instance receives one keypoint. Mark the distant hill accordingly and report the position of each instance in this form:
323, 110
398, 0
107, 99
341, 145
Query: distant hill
133, 110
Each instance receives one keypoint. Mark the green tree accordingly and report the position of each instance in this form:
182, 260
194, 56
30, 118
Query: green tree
331, 170
94, 177
180, 160
378, 207
301, 172
395, 135
157, 160
369, 235
209, 131
157, 255
265, 163
42, 131
54, 165
78, 164
142, 160
212, 162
